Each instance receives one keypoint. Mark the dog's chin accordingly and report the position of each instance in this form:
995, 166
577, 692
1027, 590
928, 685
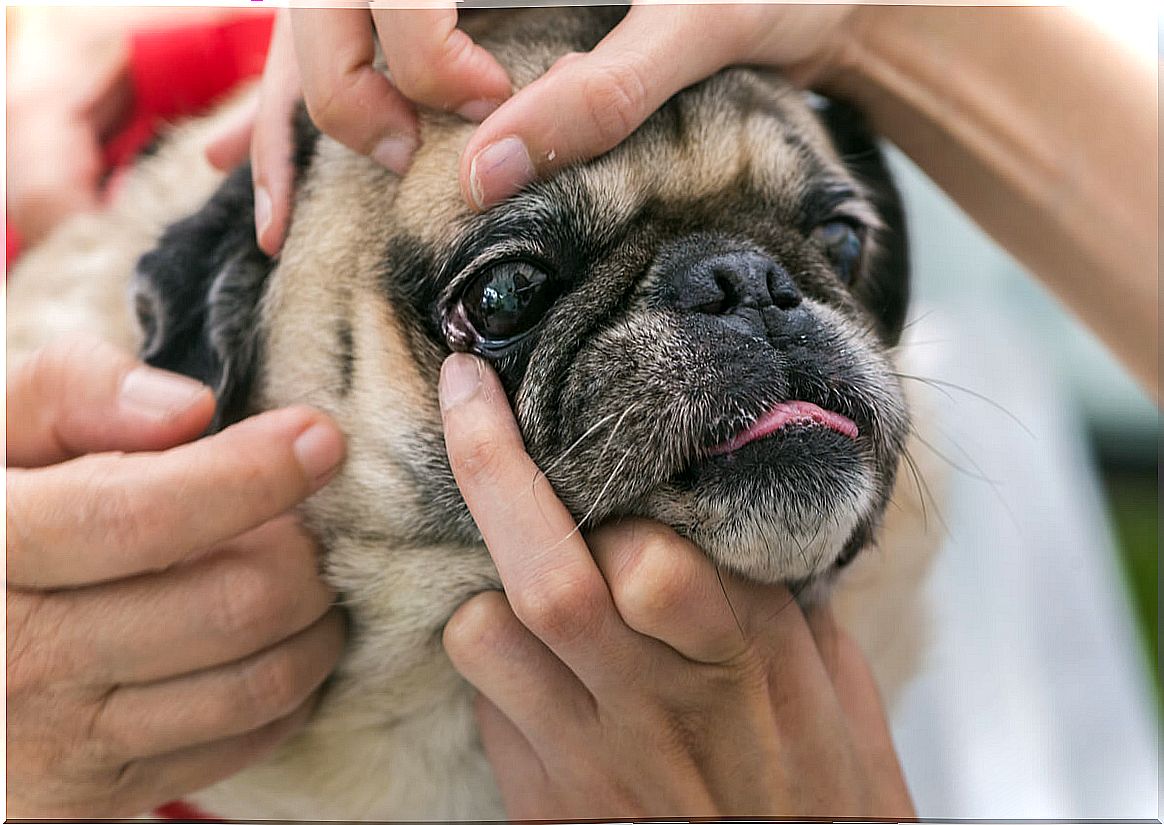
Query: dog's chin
782, 508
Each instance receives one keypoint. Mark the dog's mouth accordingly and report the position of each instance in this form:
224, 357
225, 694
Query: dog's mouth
788, 414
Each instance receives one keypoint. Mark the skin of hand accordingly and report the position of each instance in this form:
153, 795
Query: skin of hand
1057, 158
622, 675
325, 56
57, 112
166, 623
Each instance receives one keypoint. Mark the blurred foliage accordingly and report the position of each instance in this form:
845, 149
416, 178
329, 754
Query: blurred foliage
1133, 502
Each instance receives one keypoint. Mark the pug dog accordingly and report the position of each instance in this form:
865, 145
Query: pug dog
697, 327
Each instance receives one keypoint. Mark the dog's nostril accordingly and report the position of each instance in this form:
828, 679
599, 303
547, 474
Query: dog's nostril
786, 299
730, 299
726, 297
782, 289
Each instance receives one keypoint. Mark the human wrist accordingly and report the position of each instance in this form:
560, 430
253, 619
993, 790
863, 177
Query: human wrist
836, 66
857, 64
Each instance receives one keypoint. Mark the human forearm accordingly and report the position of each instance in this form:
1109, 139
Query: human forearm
1043, 130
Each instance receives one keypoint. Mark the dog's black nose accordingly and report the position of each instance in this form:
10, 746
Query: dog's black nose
724, 282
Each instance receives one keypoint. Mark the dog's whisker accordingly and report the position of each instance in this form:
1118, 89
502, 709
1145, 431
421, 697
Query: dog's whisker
597, 500
926, 342
980, 475
549, 468
614, 430
940, 385
917, 320
728, 599
977, 473
605, 487
800, 546
924, 492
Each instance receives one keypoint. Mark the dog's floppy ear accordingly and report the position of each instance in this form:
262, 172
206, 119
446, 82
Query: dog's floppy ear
197, 292
886, 292
197, 295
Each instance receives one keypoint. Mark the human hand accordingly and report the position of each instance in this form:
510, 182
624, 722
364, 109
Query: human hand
625, 676
582, 107
588, 103
166, 622
324, 56
58, 111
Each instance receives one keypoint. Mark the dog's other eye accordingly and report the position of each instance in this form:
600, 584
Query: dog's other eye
508, 299
841, 242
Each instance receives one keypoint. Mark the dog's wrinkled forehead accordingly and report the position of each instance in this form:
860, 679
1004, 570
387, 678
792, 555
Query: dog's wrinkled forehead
742, 137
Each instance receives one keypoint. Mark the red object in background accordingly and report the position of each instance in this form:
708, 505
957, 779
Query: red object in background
181, 71
184, 812
11, 245
176, 72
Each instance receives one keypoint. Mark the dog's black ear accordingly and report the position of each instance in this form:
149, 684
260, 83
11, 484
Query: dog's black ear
197, 292
886, 291
197, 295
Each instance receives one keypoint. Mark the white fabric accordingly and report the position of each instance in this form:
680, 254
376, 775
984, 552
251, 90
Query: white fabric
1034, 697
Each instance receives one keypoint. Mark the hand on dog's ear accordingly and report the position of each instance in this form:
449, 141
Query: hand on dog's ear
197, 293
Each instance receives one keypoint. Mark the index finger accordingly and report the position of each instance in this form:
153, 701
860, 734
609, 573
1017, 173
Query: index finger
552, 582
271, 147
346, 95
109, 516
437, 64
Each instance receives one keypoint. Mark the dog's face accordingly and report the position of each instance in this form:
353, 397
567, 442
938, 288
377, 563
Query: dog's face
693, 327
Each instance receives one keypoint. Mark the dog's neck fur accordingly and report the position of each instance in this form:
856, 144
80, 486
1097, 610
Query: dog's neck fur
394, 737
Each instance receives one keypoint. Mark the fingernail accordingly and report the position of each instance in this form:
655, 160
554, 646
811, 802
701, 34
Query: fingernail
319, 449
478, 110
395, 152
262, 212
499, 170
159, 394
460, 379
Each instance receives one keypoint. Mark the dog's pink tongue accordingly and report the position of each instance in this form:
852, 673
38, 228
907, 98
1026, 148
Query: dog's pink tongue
783, 414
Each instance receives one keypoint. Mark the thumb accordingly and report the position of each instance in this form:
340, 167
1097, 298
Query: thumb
84, 396
587, 103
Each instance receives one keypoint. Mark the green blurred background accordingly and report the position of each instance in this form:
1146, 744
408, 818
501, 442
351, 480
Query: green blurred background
1128, 463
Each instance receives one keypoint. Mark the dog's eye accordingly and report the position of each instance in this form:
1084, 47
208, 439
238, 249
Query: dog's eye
841, 242
508, 300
